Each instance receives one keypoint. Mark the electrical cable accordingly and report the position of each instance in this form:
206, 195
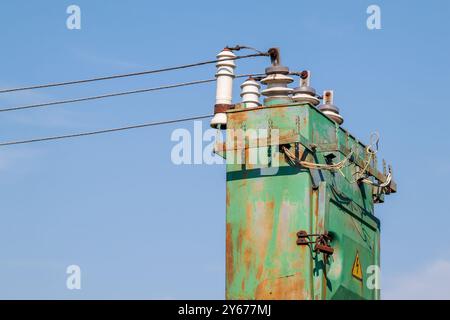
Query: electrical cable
240, 47
115, 94
89, 133
311, 165
371, 151
109, 95
380, 185
132, 74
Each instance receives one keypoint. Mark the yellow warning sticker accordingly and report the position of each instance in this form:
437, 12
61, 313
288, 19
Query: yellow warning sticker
357, 269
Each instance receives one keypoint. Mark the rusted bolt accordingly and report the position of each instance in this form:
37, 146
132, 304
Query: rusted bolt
324, 248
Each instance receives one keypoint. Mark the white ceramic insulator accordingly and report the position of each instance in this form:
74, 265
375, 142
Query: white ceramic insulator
219, 119
306, 98
225, 76
277, 86
328, 98
250, 93
334, 116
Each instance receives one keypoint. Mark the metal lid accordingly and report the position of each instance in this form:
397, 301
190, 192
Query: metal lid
277, 69
305, 90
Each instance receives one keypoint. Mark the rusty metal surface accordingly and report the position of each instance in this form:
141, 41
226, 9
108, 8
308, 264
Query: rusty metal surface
334, 141
221, 108
265, 213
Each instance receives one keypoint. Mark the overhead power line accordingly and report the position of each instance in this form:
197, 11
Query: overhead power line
90, 133
115, 94
131, 74
109, 95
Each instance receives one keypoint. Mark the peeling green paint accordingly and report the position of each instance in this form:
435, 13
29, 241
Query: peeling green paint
264, 213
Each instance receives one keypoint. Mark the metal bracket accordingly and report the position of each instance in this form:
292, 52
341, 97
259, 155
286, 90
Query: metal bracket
321, 243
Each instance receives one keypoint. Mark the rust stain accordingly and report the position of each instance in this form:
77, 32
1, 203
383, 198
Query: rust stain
229, 255
316, 207
284, 241
238, 117
258, 186
260, 271
248, 257
264, 220
319, 221
246, 159
249, 216
278, 112
245, 241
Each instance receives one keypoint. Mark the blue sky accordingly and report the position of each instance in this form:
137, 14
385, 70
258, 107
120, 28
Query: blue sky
140, 226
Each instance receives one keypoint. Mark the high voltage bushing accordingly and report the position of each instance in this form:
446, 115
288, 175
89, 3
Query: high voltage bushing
329, 109
224, 87
305, 93
277, 80
250, 93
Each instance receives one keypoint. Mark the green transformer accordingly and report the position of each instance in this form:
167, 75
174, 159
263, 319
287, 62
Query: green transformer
300, 220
